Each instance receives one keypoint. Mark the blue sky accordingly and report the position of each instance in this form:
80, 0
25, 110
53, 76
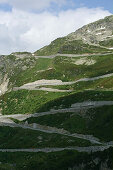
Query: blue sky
27, 25
106, 4
6, 5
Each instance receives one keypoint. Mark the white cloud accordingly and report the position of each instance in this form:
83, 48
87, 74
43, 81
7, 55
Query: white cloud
32, 4
24, 31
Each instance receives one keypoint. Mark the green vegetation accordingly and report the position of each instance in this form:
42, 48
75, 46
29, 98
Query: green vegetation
65, 69
51, 49
66, 46
22, 71
24, 138
28, 102
22, 67
12, 67
67, 101
25, 101
33, 74
96, 121
73, 122
21, 53
78, 47
57, 160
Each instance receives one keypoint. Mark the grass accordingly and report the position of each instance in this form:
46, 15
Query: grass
69, 121
32, 74
13, 138
57, 160
28, 102
65, 69
72, 71
65, 46
25, 101
96, 121
22, 71
67, 101
12, 67
78, 47
51, 49
22, 53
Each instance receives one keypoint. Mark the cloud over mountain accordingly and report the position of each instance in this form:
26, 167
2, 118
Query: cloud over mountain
22, 30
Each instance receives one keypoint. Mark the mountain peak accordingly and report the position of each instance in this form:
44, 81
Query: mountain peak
97, 36
95, 32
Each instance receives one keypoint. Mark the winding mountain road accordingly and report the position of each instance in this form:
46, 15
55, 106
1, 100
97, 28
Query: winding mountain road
73, 55
74, 108
36, 85
47, 150
5, 120
52, 130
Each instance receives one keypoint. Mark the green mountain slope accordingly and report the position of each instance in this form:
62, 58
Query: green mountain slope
56, 105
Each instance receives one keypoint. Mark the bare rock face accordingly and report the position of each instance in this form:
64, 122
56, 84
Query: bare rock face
4, 85
95, 32
10, 67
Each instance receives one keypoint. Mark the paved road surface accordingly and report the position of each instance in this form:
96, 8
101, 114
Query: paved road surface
46, 150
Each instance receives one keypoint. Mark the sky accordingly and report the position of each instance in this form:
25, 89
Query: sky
28, 25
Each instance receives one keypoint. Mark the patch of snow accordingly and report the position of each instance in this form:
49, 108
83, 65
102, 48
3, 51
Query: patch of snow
110, 48
98, 33
101, 28
110, 36
84, 39
88, 31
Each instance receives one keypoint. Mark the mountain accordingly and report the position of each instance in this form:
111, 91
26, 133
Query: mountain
92, 38
96, 32
56, 104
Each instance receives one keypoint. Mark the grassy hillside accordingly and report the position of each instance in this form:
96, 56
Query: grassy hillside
25, 102
94, 59
57, 161
65, 69
67, 46
90, 121
22, 138
67, 101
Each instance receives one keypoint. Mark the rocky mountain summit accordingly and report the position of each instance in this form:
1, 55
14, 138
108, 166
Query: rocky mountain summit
95, 33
